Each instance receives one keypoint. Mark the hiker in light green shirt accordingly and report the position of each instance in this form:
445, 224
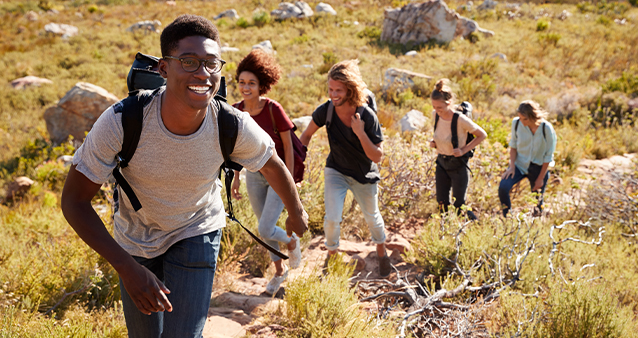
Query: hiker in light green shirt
531, 153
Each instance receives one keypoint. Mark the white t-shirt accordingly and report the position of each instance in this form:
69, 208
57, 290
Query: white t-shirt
175, 177
443, 133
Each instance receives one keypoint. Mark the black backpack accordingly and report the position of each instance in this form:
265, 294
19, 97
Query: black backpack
143, 83
466, 109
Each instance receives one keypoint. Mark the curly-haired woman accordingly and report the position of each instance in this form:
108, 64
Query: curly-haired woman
255, 76
531, 152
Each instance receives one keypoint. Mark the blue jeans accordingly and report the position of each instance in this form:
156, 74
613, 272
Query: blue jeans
187, 268
267, 207
507, 184
336, 187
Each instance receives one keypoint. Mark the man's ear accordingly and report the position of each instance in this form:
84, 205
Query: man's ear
161, 68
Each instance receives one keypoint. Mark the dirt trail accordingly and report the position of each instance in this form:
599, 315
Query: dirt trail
233, 312
238, 311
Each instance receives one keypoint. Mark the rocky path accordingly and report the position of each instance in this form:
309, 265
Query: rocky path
237, 309
233, 313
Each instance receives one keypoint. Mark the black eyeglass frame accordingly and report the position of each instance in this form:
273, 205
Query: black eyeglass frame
205, 62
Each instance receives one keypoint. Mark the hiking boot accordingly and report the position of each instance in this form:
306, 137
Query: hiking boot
275, 283
295, 254
471, 216
384, 266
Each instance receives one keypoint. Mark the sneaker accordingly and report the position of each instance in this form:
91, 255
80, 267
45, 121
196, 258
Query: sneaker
295, 254
384, 266
275, 283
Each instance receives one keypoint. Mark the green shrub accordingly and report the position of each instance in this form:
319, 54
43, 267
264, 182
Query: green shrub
603, 20
242, 22
370, 32
542, 25
327, 306
549, 39
261, 18
634, 3
301, 39
329, 60
626, 83
92, 9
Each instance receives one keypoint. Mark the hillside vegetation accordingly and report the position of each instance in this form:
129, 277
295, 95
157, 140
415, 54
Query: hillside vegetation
583, 70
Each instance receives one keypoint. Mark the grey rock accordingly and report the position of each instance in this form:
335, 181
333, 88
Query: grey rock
302, 122
29, 81
31, 16
564, 15
18, 188
66, 31
231, 14
147, 26
323, 8
287, 10
422, 22
401, 79
500, 56
414, 120
229, 49
487, 4
266, 46
77, 111
411, 53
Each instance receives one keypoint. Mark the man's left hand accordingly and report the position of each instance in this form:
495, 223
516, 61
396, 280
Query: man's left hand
298, 225
457, 152
357, 124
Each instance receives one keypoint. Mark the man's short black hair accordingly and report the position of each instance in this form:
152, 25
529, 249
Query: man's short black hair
184, 26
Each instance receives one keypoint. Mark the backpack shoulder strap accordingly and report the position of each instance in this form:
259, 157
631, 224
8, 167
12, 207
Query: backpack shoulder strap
272, 118
228, 127
132, 110
455, 136
516, 126
331, 110
544, 136
436, 120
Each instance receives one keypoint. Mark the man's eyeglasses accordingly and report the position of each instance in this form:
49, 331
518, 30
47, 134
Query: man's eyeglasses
191, 65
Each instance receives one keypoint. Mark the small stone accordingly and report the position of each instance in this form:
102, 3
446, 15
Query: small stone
266, 46
411, 53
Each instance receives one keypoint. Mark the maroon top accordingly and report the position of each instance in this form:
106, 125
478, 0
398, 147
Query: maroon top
264, 121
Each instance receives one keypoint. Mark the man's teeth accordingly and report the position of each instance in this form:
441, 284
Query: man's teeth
198, 89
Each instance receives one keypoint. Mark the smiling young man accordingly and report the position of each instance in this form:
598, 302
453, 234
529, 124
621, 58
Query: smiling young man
166, 252
355, 136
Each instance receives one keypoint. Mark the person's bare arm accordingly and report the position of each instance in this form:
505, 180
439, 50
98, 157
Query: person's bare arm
283, 184
373, 151
307, 134
289, 155
480, 136
145, 289
511, 169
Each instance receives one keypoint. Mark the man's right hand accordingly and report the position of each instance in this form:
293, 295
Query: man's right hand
234, 188
298, 225
145, 289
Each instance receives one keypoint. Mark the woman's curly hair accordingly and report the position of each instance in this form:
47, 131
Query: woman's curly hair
264, 66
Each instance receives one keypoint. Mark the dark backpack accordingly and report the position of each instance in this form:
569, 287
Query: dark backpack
143, 82
299, 150
466, 109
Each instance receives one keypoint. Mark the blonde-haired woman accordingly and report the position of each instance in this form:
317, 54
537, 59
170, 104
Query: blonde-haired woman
531, 151
452, 172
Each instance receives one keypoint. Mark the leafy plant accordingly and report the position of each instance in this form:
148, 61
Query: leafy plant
261, 18
542, 25
242, 22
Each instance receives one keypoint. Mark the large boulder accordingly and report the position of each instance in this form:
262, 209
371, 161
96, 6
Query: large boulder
29, 81
422, 22
414, 120
66, 31
77, 111
287, 10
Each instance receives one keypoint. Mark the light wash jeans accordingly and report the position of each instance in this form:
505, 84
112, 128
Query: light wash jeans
336, 187
267, 207
187, 268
